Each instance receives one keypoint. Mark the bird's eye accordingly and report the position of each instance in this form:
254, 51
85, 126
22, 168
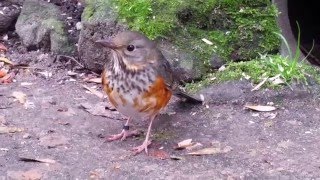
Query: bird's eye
130, 47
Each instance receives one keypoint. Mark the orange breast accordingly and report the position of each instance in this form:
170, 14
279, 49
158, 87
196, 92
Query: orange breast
107, 89
136, 103
156, 98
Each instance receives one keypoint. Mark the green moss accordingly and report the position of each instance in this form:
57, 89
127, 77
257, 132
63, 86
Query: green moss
259, 69
98, 10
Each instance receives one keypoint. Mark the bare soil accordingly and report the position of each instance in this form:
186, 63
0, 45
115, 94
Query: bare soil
53, 127
249, 145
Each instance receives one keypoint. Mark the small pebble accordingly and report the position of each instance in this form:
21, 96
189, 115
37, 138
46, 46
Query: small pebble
26, 136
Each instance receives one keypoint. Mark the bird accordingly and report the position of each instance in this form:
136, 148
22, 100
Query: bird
138, 81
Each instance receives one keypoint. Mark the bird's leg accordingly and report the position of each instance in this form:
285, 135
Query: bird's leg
124, 133
146, 142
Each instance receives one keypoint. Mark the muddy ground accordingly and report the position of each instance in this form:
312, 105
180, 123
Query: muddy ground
52, 124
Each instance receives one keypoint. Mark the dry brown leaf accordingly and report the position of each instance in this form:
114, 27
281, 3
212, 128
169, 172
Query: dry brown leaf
5, 129
261, 108
20, 96
94, 91
2, 73
194, 146
6, 60
185, 143
94, 80
206, 151
71, 73
8, 78
3, 48
160, 154
207, 41
174, 157
40, 160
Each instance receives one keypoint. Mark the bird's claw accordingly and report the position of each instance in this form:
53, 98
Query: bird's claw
143, 146
123, 135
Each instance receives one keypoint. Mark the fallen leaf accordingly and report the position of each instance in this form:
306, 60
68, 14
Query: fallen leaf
40, 160
5, 129
94, 91
61, 122
94, 80
194, 146
20, 96
53, 140
2, 73
183, 144
207, 41
174, 157
160, 154
8, 78
261, 108
206, 151
257, 87
3, 48
6, 60
71, 73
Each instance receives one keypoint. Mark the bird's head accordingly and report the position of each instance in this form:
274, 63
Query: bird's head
132, 48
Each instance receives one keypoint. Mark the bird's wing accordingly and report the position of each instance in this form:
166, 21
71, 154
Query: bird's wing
164, 70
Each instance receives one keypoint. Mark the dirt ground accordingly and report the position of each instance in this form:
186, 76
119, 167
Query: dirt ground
51, 125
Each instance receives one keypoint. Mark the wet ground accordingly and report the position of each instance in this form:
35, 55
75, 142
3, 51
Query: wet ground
50, 135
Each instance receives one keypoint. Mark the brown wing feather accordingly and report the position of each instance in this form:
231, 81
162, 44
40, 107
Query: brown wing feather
164, 70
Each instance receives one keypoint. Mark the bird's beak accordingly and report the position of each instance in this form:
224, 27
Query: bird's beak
107, 43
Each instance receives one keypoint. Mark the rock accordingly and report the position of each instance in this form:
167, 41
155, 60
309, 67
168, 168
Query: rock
39, 27
9, 13
185, 65
216, 61
99, 20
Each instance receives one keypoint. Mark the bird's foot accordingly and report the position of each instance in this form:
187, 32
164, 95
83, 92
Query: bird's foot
123, 135
143, 146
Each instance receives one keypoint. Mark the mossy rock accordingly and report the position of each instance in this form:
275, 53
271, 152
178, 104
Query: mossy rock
238, 29
39, 27
99, 20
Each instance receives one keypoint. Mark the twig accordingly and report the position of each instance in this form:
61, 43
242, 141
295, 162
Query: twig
73, 59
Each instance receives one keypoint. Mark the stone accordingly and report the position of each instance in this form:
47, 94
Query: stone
185, 65
39, 27
99, 20
216, 61
9, 13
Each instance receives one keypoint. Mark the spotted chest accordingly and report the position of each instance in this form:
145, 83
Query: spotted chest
136, 94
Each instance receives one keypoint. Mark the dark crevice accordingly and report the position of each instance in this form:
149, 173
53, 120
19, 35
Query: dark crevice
305, 13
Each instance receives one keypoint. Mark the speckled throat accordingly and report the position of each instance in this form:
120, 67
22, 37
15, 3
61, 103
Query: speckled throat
127, 80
